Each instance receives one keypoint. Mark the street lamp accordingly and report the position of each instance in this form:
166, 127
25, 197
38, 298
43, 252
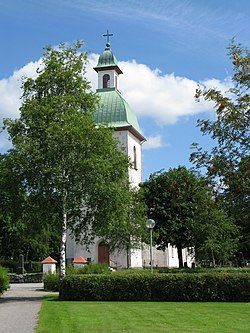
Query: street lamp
150, 225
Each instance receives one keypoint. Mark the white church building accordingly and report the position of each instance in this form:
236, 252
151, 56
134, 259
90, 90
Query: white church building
115, 112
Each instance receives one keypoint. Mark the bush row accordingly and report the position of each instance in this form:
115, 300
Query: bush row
4, 280
156, 287
235, 270
91, 268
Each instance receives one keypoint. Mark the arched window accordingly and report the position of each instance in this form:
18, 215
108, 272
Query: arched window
135, 158
106, 81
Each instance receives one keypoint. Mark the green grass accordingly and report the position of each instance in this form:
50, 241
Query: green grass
142, 317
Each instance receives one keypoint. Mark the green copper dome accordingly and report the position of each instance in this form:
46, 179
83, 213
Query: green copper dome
114, 111
107, 58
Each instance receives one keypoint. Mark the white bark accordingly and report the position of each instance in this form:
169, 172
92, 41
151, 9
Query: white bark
63, 241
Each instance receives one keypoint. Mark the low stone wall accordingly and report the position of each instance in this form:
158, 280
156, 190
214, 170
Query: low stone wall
26, 278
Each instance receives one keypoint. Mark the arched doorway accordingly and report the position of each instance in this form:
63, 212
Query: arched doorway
103, 253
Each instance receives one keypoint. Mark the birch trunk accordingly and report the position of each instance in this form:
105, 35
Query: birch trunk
63, 241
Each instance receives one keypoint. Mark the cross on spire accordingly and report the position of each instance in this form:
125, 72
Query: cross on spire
107, 35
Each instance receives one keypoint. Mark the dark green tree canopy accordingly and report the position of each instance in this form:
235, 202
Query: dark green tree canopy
182, 206
172, 199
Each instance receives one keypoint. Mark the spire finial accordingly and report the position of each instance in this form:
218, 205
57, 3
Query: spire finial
107, 35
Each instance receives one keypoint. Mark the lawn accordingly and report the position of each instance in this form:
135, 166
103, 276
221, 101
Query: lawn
142, 317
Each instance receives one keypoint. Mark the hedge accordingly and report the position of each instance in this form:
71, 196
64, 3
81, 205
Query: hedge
156, 287
4, 280
51, 282
91, 268
235, 270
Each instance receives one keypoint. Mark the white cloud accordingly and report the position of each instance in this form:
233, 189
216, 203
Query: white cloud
154, 142
164, 98
222, 86
10, 90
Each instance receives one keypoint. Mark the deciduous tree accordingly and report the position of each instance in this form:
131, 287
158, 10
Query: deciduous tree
227, 163
183, 208
60, 151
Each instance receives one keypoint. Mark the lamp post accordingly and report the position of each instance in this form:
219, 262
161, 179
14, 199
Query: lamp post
150, 225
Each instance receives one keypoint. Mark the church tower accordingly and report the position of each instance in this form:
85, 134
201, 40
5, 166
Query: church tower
115, 112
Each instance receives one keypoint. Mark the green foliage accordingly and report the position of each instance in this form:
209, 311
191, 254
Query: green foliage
227, 163
136, 271
186, 215
26, 225
216, 236
157, 287
210, 270
4, 280
51, 282
130, 232
67, 165
29, 266
91, 268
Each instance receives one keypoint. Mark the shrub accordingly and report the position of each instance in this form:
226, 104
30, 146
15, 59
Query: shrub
235, 270
11, 265
33, 266
91, 268
156, 287
51, 282
4, 280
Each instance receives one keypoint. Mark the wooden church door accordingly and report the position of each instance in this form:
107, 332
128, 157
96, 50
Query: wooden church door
103, 253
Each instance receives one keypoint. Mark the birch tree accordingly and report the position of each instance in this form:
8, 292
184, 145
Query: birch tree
61, 153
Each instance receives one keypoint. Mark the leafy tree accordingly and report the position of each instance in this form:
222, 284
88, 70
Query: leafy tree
21, 231
62, 156
227, 163
131, 232
181, 204
215, 235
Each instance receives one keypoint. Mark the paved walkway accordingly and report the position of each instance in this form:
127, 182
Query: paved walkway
19, 307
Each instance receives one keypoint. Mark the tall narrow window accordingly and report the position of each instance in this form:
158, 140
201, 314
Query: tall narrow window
135, 158
106, 81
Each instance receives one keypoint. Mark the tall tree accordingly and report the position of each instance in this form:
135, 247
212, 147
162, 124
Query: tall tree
182, 206
21, 213
227, 163
61, 153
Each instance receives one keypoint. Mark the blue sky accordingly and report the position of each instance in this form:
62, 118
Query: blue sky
165, 47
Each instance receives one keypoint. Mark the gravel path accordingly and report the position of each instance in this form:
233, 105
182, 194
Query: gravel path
19, 307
